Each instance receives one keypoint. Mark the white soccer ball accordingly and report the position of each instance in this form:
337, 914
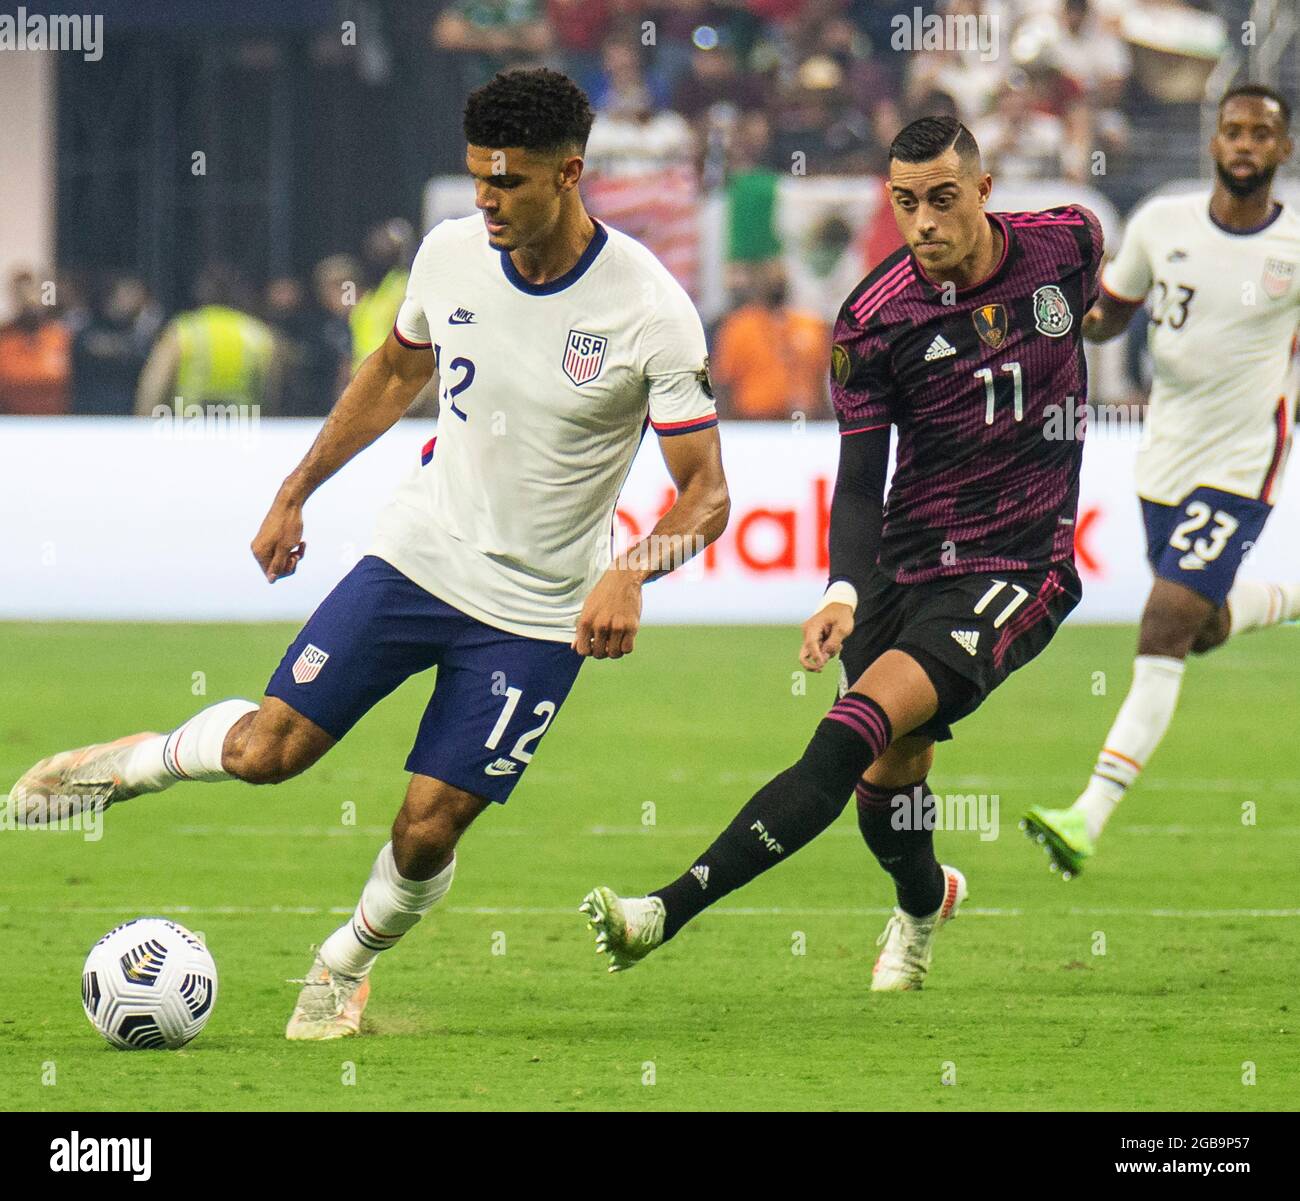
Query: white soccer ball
149, 984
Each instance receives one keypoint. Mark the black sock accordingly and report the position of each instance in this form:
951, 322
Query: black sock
900, 834
786, 813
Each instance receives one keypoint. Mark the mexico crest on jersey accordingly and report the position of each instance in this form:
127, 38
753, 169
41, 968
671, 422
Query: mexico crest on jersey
991, 324
584, 355
307, 666
1052, 315
1278, 274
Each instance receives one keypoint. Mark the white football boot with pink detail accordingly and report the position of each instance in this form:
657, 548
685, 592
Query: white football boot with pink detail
908, 941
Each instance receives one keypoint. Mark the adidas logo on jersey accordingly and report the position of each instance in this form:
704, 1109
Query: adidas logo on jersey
461, 317
968, 640
701, 873
940, 348
502, 767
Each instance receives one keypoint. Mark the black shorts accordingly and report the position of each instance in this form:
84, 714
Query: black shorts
968, 632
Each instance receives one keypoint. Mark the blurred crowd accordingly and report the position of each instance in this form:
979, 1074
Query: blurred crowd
103, 346
731, 96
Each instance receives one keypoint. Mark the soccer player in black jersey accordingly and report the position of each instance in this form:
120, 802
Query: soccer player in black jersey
967, 341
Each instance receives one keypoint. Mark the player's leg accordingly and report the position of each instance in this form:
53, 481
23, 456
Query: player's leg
412, 872
495, 698
893, 696
366, 637
898, 832
896, 818
1194, 606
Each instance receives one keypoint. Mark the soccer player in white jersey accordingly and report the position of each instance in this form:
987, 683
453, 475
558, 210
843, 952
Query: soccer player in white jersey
1218, 273
556, 341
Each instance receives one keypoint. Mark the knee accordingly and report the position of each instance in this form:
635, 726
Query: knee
426, 832
267, 757
1166, 632
1213, 633
906, 762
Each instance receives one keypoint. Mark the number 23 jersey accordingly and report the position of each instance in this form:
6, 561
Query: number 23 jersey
1224, 307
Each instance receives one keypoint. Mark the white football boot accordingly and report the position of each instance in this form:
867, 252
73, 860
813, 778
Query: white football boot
627, 928
72, 782
329, 1006
907, 940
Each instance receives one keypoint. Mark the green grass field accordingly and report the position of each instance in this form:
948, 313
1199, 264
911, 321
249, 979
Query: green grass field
1198, 911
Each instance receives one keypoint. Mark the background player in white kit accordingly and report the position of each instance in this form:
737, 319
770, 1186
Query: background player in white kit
1219, 273
556, 342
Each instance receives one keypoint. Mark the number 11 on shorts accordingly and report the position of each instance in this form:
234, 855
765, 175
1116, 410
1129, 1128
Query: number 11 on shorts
1021, 595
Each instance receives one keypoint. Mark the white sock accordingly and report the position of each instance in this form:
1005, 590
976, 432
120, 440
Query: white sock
390, 905
190, 752
1141, 724
1255, 605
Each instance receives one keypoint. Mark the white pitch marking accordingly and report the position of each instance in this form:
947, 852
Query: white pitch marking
545, 911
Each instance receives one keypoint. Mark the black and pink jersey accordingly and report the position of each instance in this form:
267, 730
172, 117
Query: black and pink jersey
986, 386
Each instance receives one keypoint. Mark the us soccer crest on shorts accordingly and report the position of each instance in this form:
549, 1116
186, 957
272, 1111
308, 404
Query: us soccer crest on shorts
584, 355
307, 666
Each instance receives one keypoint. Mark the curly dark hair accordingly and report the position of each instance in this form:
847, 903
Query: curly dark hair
535, 108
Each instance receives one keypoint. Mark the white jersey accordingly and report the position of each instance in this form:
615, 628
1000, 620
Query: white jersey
1224, 309
546, 391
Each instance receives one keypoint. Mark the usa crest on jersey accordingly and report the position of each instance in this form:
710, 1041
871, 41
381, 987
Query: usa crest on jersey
584, 355
307, 666
1277, 277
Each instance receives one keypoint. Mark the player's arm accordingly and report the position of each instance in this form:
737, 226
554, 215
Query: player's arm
376, 398
1123, 283
856, 514
611, 616
1109, 317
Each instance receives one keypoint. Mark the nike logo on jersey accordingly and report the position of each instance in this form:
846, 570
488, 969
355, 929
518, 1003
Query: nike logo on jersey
1175, 256
968, 640
502, 767
461, 317
940, 348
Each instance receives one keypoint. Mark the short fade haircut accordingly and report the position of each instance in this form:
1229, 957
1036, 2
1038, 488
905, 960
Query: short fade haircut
928, 137
1264, 92
534, 108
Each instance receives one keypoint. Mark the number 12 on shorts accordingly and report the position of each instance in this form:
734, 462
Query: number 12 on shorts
522, 750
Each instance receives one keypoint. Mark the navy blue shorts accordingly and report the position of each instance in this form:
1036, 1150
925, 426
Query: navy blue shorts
1201, 541
495, 696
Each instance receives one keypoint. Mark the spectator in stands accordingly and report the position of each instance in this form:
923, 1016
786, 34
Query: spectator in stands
818, 130
313, 339
388, 250
963, 72
34, 352
110, 351
627, 83
770, 361
218, 353
580, 29
1016, 140
491, 35
715, 77
679, 30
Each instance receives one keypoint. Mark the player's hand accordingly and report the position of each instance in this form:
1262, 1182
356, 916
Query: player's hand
611, 617
278, 547
823, 635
